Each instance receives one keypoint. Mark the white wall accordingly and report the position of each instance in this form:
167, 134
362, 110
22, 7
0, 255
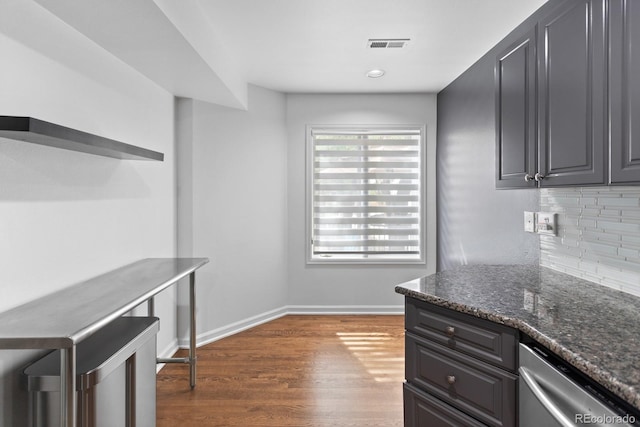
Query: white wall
233, 169
351, 288
477, 224
68, 216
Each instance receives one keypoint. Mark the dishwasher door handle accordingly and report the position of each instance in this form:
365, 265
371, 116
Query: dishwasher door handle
544, 399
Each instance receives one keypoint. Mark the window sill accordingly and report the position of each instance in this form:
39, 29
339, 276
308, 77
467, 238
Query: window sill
364, 261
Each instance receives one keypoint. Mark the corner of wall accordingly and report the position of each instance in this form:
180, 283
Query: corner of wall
183, 115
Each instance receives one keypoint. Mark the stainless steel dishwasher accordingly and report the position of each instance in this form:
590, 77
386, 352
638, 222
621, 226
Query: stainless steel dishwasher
552, 393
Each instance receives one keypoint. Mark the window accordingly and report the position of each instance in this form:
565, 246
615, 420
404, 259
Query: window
364, 194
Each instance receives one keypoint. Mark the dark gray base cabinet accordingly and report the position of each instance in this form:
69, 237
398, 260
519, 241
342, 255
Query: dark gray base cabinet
459, 369
420, 409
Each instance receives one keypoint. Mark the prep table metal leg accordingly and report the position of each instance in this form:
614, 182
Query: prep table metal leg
130, 382
192, 329
191, 359
68, 387
151, 307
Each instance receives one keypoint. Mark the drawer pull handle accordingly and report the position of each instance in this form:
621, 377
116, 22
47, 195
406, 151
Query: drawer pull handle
451, 379
450, 331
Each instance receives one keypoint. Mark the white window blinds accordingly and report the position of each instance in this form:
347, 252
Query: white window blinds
366, 189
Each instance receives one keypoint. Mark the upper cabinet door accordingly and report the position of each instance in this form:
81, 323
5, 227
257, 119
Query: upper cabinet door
572, 96
515, 75
624, 90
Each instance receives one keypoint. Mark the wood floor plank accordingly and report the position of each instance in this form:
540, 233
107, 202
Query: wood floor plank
343, 371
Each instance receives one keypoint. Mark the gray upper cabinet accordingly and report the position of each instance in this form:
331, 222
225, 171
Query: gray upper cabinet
515, 75
551, 97
624, 90
572, 94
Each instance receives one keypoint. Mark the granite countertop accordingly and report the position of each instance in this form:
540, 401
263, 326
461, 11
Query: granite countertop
594, 328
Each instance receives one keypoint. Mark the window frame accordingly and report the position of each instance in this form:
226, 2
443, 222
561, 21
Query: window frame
309, 192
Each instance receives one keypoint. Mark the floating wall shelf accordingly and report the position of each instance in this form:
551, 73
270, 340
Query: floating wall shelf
40, 132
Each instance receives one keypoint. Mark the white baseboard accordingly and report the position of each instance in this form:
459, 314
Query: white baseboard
234, 328
168, 352
346, 309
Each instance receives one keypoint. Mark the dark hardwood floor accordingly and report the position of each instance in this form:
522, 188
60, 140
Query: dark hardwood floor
293, 371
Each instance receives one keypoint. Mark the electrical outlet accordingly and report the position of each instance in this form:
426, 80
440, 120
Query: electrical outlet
546, 223
530, 222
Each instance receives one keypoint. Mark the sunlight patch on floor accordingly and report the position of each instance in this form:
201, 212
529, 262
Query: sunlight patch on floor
370, 350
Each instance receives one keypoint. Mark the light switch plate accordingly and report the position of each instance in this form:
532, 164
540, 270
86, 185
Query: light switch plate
530, 222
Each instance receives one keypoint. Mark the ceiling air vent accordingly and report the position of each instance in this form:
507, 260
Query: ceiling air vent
387, 43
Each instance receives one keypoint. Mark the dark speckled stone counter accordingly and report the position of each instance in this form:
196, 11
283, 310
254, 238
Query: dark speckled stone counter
594, 328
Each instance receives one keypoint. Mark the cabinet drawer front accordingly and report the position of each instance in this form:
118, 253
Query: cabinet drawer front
488, 341
422, 410
476, 388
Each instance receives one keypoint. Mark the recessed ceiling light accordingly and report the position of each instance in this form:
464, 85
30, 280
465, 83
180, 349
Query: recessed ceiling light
374, 74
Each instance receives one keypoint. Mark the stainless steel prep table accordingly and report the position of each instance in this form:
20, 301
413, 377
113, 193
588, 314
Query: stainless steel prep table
65, 318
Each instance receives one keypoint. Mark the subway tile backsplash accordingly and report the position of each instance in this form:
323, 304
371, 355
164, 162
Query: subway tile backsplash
598, 234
